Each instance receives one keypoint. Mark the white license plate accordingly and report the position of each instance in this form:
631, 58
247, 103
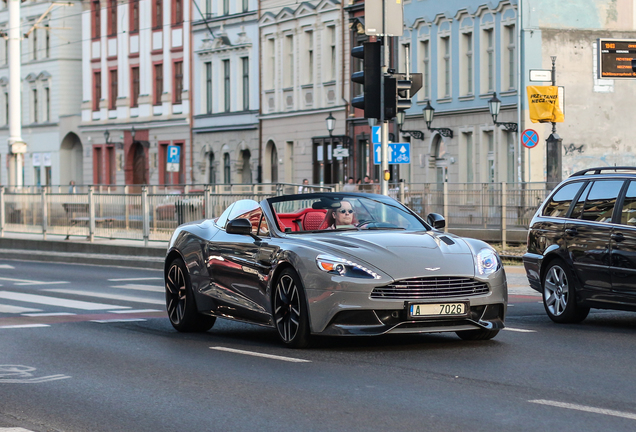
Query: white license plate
437, 309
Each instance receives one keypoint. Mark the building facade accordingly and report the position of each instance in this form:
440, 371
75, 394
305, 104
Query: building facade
136, 87
226, 96
51, 97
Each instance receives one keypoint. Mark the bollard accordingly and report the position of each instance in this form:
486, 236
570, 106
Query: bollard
91, 214
44, 214
1, 211
145, 214
504, 219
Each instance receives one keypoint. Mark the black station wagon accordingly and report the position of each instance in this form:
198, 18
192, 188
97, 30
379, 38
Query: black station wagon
582, 244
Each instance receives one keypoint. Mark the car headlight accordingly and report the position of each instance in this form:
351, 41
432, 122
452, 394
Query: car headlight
487, 261
344, 267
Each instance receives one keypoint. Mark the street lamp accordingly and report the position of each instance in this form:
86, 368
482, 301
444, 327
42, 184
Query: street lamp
118, 145
494, 105
331, 123
429, 113
414, 133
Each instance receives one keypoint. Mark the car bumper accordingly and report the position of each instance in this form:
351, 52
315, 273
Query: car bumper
532, 264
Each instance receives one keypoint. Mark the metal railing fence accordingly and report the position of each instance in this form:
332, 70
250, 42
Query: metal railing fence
151, 213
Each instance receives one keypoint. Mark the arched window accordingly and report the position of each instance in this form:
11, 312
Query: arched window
211, 173
226, 168
274, 164
247, 170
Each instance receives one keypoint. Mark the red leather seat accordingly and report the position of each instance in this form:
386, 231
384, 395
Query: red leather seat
313, 219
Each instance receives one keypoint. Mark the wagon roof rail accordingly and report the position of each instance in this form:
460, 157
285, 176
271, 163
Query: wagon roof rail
598, 170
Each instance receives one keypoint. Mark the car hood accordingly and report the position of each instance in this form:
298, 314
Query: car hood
401, 254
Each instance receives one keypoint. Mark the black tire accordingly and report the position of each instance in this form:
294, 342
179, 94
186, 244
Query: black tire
182, 310
559, 294
477, 335
289, 310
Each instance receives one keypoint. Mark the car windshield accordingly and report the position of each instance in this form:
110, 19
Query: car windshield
338, 211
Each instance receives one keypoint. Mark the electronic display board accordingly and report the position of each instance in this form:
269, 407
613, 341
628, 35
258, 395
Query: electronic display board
615, 58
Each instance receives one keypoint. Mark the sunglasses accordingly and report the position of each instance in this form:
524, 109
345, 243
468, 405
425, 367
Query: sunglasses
345, 211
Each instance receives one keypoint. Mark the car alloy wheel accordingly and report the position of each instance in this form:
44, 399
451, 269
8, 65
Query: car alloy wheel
559, 297
290, 310
182, 310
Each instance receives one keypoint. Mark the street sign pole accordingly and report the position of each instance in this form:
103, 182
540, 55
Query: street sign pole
384, 167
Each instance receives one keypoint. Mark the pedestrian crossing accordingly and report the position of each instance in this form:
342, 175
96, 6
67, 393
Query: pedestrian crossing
26, 303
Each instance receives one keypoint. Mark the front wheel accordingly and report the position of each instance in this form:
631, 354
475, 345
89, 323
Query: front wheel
290, 310
477, 335
559, 296
182, 310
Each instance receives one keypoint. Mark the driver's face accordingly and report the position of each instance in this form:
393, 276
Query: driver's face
344, 215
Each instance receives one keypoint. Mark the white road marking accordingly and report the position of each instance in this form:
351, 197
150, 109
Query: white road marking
48, 314
107, 296
54, 301
23, 326
6, 266
16, 309
34, 380
15, 430
256, 354
135, 279
595, 410
135, 311
32, 282
519, 330
118, 320
153, 288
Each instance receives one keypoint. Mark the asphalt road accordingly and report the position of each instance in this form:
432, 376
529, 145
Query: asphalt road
94, 351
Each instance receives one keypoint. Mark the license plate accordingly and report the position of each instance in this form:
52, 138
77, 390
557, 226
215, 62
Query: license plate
417, 310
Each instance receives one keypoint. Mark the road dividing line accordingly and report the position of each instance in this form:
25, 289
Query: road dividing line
137, 287
54, 301
118, 320
16, 309
15, 429
133, 311
48, 314
135, 279
255, 354
107, 296
23, 326
32, 282
519, 330
614, 413
6, 266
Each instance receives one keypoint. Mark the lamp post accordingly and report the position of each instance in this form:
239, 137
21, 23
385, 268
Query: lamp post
429, 113
331, 123
414, 133
119, 145
494, 105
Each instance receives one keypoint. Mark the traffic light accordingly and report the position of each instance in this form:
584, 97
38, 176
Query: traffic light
398, 92
370, 77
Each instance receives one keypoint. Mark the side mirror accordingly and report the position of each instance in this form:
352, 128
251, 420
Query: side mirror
239, 226
436, 220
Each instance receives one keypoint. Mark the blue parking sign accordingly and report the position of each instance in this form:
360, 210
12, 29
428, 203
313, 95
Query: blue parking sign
172, 161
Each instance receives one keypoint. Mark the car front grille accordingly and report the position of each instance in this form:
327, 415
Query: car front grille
430, 288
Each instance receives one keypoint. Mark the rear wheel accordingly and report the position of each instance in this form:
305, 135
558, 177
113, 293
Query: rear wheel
290, 310
182, 310
477, 335
559, 295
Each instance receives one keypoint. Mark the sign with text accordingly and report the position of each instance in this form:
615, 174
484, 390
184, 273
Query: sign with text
399, 153
391, 18
172, 161
615, 58
543, 102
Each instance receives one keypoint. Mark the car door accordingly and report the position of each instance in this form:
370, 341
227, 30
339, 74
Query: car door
587, 236
623, 249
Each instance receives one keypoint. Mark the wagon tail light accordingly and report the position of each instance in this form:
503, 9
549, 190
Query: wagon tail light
344, 267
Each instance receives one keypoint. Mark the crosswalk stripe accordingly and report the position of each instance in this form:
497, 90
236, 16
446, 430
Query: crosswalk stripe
118, 320
14, 429
23, 326
49, 314
135, 279
31, 282
54, 301
16, 309
133, 311
153, 288
107, 296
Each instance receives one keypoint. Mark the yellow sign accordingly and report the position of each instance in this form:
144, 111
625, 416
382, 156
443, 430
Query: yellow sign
543, 102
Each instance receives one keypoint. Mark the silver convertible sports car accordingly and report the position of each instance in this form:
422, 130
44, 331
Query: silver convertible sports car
333, 264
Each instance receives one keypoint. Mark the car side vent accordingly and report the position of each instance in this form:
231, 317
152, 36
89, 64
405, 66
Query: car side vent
447, 240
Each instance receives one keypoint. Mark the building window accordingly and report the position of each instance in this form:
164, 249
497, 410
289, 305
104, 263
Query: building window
208, 9
271, 78
134, 97
510, 141
288, 78
468, 64
47, 107
488, 71
97, 90
96, 19
226, 84
308, 76
134, 16
470, 177
178, 12
226, 168
426, 70
47, 41
510, 57
208, 87
226, 7
245, 61
331, 32
245, 5
158, 83
112, 18
446, 65
157, 16
112, 100
490, 157
35, 106
35, 43
6, 108
178, 81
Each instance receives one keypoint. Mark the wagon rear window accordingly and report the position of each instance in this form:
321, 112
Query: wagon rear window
560, 202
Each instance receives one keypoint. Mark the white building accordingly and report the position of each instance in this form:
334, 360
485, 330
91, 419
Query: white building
51, 96
226, 96
136, 78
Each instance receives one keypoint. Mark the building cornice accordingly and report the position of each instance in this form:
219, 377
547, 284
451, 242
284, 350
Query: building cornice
301, 113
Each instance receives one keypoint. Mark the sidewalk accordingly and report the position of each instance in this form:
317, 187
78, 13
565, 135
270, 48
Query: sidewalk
78, 250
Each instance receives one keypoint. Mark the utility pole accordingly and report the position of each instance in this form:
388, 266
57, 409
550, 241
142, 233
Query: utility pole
553, 147
384, 125
16, 146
